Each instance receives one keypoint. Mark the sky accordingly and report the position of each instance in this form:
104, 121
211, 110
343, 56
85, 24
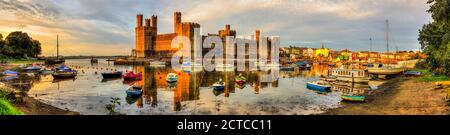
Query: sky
106, 27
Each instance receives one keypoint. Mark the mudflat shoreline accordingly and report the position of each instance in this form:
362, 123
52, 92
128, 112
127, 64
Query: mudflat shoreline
31, 106
400, 96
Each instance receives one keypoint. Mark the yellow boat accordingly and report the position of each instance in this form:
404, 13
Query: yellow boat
442, 83
386, 71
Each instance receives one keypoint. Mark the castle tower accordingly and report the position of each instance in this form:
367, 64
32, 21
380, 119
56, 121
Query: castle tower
177, 22
139, 18
154, 33
147, 23
155, 22
257, 37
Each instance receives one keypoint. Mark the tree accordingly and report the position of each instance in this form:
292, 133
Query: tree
434, 37
19, 44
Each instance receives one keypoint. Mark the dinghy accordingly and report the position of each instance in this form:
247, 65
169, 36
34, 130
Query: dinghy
116, 74
10, 73
220, 85
353, 98
319, 86
172, 77
240, 79
131, 76
134, 91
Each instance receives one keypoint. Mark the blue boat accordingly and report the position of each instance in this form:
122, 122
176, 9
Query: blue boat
218, 86
413, 73
134, 91
10, 73
318, 86
287, 69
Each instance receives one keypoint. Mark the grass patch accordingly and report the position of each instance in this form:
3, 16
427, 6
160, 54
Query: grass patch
428, 76
23, 61
6, 108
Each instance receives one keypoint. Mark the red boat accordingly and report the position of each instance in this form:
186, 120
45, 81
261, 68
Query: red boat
129, 76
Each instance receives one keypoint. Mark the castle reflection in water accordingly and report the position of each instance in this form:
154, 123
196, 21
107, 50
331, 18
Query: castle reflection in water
187, 88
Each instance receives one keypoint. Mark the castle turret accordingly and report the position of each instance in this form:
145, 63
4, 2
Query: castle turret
177, 21
155, 22
147, 23
139, 20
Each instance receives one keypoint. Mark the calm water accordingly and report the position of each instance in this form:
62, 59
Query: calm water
192, 94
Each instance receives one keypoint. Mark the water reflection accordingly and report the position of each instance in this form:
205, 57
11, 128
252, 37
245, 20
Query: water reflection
265, 92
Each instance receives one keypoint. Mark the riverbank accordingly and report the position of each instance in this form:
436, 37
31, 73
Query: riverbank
23, 104
400, 96
30, 106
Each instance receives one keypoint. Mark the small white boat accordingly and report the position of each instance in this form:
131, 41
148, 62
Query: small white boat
172, 77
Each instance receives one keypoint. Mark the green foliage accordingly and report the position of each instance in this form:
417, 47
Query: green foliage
111, 107
18, 44
6, 108
435, 37
428, 76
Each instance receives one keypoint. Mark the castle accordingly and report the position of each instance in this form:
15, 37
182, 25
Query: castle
149, 43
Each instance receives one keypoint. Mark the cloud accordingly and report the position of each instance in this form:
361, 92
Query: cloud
108, 25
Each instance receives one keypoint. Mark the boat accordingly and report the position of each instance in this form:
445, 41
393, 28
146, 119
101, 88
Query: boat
33, 67
220, 85
351, 75
225, 67
385, 70
240, 79
287, 69
57, 60
240, 85
353, 98
94, 60
303, 65
442, 83
134, 91
64, 72
131, 76
413, 73
46, 71
10, 73
318, 86
172, 77
115, 74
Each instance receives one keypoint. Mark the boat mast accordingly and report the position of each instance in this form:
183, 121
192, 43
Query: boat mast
57, 47
387, 35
